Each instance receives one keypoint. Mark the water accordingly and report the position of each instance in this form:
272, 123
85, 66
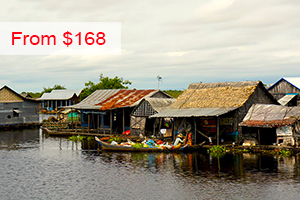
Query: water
37, 167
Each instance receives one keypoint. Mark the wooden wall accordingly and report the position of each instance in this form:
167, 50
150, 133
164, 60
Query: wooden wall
259, 96
282, 88
160, 95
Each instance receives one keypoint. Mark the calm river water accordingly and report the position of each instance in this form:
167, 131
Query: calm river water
37, 167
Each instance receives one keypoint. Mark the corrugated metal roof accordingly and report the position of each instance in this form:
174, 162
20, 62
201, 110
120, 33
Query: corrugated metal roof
286, 99
60, 94
264, 115
113, 98
125, 98
193, 112
95, 98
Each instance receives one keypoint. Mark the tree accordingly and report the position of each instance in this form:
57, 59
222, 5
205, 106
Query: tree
104, 83
174, 93
55, 87
33, 94
45, 90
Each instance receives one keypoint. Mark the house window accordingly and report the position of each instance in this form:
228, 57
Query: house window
16, 112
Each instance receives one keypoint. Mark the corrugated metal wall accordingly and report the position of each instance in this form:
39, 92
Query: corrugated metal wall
29, 113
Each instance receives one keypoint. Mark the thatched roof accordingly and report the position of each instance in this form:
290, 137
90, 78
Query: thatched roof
214, 95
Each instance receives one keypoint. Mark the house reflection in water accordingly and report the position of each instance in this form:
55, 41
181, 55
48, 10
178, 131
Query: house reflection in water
244, 166
27, 138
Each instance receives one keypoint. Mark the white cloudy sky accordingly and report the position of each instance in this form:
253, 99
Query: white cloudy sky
182, 41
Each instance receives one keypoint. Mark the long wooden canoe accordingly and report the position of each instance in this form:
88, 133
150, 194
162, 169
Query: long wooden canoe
108, 147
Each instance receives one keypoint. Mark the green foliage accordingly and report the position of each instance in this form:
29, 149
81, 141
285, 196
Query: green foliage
217, 151
243, 150
174, 93
117, 139
104, 83
55, 87
77, 138
33, 94
137, 145
45, 90
89, 138
285, 152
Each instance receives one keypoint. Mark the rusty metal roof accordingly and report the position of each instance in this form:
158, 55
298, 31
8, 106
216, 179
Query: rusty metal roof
266, 115
95, 98
125, 98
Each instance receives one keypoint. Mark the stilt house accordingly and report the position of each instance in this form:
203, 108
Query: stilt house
109, 110
215, 109
140, 122
16, 109
272, 124
286, 91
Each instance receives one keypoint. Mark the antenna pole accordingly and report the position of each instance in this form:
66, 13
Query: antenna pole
159, 78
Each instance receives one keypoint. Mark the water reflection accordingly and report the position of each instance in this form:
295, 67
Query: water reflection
243, 167
12, 140
40, 167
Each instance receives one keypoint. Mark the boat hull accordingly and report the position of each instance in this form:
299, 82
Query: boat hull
108, 147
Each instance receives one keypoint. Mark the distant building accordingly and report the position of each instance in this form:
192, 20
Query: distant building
286, 90
59, 98
215, 109
16, 109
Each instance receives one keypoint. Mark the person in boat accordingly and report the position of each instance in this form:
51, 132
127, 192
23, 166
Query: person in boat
179, 140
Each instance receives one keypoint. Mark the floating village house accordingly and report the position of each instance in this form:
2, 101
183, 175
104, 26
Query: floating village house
272, 124
16, 109
59, 98
215, 109
109, 110
140, 122
286, 91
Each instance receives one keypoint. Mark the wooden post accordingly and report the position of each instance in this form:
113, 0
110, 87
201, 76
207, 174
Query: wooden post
218, 130
93, 121
72, 117
195, 130
154, 126
123, 120
258, 135
160, 119
111, 121
76, 125
88, 123
173, 129
98, 123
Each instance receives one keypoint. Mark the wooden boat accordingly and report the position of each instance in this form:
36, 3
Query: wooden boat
69, 133
108, 147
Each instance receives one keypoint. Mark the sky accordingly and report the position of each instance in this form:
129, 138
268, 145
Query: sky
182, 41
